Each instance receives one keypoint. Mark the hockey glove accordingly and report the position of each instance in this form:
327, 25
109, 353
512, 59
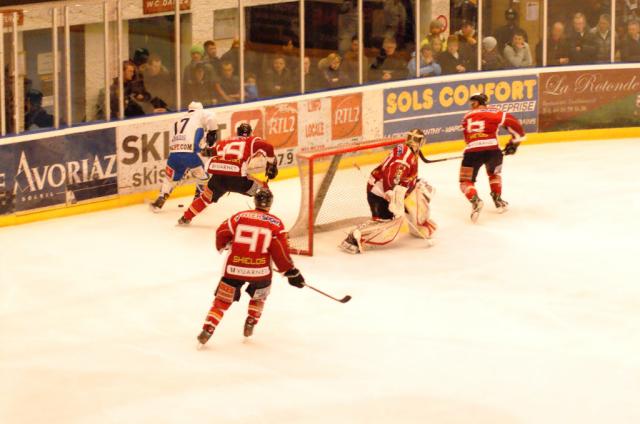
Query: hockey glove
271, 170
511, 147
295, 278
212, 136
207, 152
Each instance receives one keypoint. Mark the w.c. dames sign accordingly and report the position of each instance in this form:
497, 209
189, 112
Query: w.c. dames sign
589, 99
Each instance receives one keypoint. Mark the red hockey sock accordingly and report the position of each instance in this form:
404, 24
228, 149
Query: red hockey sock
197, 206
216, 313
255, 309
495, 182
469, 189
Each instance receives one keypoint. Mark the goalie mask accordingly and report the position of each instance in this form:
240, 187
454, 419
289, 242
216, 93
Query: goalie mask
263, 198
415, 139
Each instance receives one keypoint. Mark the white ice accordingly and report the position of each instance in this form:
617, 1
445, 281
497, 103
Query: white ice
532, 316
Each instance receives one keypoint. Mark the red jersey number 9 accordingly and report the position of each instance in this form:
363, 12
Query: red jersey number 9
233, 150
250, 235
475, 126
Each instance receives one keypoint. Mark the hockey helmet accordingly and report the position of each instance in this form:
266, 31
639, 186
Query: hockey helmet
263, 198
415, 139
244, 130
195, 106
481, 98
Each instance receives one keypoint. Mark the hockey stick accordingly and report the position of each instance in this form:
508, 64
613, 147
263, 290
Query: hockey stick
343, 300
425, 160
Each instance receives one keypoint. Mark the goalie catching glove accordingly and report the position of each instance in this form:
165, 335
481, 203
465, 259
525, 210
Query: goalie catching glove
295, 278
511, 148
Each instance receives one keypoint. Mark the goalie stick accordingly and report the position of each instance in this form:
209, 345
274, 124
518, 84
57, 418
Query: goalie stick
425, 160
343, 300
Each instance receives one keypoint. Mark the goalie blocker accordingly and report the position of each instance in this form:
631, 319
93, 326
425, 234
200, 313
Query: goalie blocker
395, 193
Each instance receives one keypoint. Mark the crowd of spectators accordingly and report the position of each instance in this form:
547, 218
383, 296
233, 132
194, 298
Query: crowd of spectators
579, 37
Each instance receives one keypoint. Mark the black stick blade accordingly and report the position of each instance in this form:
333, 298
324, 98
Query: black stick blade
345, 299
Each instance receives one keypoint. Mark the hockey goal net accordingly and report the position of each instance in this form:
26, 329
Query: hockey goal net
333, 184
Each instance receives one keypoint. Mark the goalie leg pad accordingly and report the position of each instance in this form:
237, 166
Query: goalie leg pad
377, 232
418, 212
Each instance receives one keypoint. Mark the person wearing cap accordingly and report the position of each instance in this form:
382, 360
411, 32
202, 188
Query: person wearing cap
36, 116
504, 34
491, 59
197, 57
428, 66
468, 43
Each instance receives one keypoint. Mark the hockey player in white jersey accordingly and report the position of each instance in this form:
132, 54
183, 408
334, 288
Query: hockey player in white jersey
197, 129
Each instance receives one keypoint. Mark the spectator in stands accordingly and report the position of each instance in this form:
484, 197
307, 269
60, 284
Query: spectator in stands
250, 87
436, 32
136, 97
438, 47
350, 62
602, 39
594, 9
197, 54
140, 59
233, 56
630, 48
227, 87
331, 73
468, 45
630, 12
36, 116
211, 58
428, 66
310, 75
395, 20
557, 47
517, 53
277, 80
388, 65
464, 10
504, 34
450, 61
158, 81
197, 88
347, 25
291, 55
582, 47
491, 59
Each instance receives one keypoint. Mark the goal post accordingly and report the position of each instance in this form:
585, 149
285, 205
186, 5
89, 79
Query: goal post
333, 190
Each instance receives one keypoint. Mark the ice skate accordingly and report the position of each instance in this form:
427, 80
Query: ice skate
476, 207
184, 221
501, 205
350, 244
159, 203
248, 326
205, 335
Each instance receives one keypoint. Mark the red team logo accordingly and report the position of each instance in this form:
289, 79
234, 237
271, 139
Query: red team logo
346, 116
282, 125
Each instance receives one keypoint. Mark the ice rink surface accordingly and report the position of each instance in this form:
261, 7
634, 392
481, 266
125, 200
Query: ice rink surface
532, 316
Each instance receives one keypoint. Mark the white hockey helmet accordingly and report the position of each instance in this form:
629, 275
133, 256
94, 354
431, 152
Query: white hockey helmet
195, 106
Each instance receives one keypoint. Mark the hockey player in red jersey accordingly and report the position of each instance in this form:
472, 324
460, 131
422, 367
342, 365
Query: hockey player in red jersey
254, 239
394, 193
231, 163
480, 127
